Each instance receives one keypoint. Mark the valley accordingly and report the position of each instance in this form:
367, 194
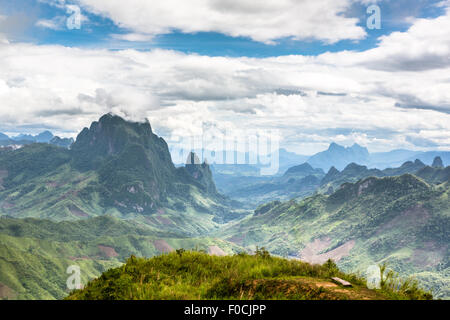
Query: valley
114, 192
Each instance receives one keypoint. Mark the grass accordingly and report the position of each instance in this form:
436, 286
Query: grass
193, 275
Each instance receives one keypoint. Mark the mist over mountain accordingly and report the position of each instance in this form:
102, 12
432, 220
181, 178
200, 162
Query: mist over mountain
116, 167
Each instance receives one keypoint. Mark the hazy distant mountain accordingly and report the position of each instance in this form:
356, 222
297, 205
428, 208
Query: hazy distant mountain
429, 156
354, 172
437, 163
394, 158
44, 137
290, 159
61, 142
299, 181
339, 157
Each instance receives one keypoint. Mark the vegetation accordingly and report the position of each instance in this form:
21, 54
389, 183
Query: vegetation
35, 253
403, 221
196, 275
116, 193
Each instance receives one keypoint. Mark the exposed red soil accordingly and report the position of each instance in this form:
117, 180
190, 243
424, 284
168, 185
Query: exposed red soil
311, 253
108, 251
429, 256
237, 239
6, 292
163, 220
216, 251
413, 217
7, 205
77, 211
162, 246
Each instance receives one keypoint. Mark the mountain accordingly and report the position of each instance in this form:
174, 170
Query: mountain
240, 162
114, 167
437, 163
429, 156
339, 157
201, 172
44, 137
402, 221
3, 136
24, 137
113, 194
62, 142
289, 159
299, 181
394, 158
354, 172
303, 170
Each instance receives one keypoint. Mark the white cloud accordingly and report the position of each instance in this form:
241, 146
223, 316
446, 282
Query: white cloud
56, 23
133, 37
313, 100
264, 21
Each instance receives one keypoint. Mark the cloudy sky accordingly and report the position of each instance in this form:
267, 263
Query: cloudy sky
313, 70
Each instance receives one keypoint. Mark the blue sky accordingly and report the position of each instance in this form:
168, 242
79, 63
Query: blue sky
312, 70
97, 30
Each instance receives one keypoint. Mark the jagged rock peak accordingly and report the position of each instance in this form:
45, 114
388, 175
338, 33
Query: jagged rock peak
437, 163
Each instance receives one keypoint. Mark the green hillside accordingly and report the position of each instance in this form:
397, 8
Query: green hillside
196, 275
35, 253
117, 168
402, 221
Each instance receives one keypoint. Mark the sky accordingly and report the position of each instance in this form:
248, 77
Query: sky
376, 73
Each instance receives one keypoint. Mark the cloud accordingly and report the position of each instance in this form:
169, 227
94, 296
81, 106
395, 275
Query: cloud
56, 23
424, 46
421, 142
263, 21
133, 37
311, 100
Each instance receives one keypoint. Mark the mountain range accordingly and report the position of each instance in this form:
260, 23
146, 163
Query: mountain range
116, 192
43, 137
402, 221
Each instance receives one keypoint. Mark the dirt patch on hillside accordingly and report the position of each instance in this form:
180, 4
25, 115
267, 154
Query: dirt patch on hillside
109, 252
162, 246
163, 220
428, 256
312, 252
237, 239
77, 211
79, 258
6, 292
216, 251
310, 288
7, 205
413, 217
52, 184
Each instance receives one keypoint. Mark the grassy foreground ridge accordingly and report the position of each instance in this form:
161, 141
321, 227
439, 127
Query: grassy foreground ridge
193, 275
